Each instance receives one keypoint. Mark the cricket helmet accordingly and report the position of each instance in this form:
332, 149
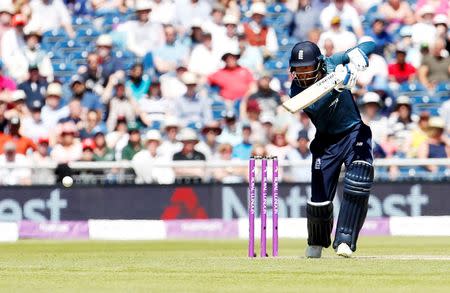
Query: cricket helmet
305, 54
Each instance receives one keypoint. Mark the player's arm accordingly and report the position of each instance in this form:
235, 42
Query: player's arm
357, 55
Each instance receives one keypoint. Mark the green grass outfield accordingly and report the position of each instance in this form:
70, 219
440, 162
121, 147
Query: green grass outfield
394, 264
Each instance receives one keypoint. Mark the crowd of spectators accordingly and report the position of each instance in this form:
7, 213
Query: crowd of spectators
170, 80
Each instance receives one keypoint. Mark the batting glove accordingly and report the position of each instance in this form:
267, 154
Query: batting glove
348, 74
358, 58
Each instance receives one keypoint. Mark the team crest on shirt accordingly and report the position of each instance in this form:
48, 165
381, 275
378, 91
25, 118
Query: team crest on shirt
317, 164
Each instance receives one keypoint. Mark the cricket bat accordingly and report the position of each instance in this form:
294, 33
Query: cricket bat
312, 93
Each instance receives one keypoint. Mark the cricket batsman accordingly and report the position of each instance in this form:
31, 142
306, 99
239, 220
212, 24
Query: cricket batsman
341, 138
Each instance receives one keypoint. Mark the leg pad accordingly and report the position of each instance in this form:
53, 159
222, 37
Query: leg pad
320, 223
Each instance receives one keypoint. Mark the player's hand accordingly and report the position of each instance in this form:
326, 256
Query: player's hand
348, 73
358, 58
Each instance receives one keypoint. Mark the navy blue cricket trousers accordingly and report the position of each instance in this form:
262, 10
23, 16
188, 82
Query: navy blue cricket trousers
330, 152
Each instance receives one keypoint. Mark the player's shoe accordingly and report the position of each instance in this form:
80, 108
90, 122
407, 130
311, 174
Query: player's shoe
344, 250
313, 251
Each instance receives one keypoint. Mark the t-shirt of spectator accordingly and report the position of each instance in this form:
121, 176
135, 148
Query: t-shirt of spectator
34, 129
349, 17
438, 68
23, 144
233, 83
203, 61
194, 156
50, 16
268, 101
155, 108
51, 116
186, 12
129, 151
242, 151
34, 91
143, 38
401, 73
194, 110
91, 101
110, 66
62, 154
107, 156
15, 176
7, 83
163, 12
176, 53
138, 90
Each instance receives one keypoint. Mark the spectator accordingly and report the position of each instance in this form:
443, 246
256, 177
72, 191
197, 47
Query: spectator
203, 60
23, 144
435, 146
341, 38
92, 74
171, 85
208, 146
196, 34
121, 105
252, 114
302, 123
110, 64
243, 150
231, 131
42, 156
267, 98
231, 7
101, 150
227, 40
440, 6
53, 110
424, 32
153, 108
346, 12
228, 174
401, 71
378, 33
171, 145
418, 136
170, 54
305, 18
215, 24
234, 81
413, 54
17, 105
189, 139
279, 146
118, 138
193, 108
138, 82
75, 114
30, 55
397, 13
143, 162
35, 86
134, 142
370, 114
6, 14
164, 11
267, 122
16, 175
251, 57
445, 114
33, 125
88, 146
143, 34
108, 6
441, 24
92, 124
435, 67
401, 121
188, 10
68, 149
328, 48
48, 15
259, 34
300, 154
13, 40
89, 100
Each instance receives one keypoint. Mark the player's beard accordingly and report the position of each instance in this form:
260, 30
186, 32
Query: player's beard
308, 81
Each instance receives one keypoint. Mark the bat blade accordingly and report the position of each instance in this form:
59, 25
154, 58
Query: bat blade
312, 93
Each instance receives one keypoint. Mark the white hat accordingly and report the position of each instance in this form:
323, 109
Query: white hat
258, 8
267, 118
188, 134
18, 95
197, 22
436, 122
6, 7
230, 19
143, 5
426, 9
54, 89
104, 40
403, 100
189, 78
371, 97
440, 18
153, 134
171, 121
